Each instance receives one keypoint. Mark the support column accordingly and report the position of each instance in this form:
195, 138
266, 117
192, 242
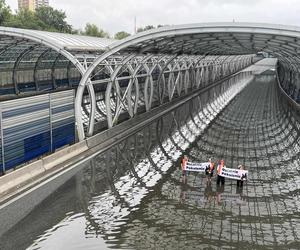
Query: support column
17, 62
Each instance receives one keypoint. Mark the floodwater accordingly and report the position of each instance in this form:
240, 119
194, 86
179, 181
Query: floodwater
133, 196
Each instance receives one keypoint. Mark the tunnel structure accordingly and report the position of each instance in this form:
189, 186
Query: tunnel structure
37, 61
111, 81
132, 196
181, 57
134, 189
39, 74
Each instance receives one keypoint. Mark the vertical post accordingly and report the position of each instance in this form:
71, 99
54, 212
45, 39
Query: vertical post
75, 134
69, 74
93, 102
2, 141
50, 120
108, 93
53, 78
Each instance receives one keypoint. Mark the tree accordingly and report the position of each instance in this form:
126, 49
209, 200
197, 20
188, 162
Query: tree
53, 20
5, 13
93, 30
25, 19
121, 35
147, 27
49, 19
44, 18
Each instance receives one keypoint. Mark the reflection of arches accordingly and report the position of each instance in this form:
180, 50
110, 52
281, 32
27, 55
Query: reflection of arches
161, 214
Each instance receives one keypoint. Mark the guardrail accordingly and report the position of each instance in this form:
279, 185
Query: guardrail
291, 101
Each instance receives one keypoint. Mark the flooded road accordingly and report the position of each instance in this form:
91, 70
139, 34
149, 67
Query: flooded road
133, 196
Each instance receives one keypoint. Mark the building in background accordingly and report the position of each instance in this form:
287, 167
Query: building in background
26, 4
40, 3
32, 4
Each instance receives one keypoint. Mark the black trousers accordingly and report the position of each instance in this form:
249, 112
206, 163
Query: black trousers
239, 183
220, 179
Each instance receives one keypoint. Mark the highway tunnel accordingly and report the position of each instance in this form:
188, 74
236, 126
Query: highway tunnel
133, 196
191, 91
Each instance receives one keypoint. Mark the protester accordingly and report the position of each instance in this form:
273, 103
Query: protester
184, 162
209, 171
240, 182
219, 191
220, 179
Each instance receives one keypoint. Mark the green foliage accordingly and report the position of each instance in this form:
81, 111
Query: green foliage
48, 19
147, 27
5, 12
25, 19
44, 18
93, 30
53, 19
121, 35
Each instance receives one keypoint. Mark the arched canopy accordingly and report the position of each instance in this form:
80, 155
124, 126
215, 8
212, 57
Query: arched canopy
212, 38
216, 38
280, 41
16, 43
30, 58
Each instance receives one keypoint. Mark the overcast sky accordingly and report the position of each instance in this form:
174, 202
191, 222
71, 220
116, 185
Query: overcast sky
117, 15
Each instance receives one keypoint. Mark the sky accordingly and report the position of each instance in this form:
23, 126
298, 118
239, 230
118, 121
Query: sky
118, 15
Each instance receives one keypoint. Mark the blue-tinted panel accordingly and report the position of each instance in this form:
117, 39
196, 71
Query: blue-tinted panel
63, 136
7, 91
62, 109
27, 87
32, 148
22, 111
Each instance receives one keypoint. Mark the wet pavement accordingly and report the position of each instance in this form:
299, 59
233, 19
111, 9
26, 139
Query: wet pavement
133, 196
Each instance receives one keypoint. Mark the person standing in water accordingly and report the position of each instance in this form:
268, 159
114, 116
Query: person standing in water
209, 171
220, 179
184, 162
240, 182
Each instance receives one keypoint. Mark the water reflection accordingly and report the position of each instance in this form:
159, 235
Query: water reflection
133, 196
137, 165
258, 130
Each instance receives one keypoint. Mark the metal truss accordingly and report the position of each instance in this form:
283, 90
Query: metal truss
120, 79
289, 77
136, 83
187, 44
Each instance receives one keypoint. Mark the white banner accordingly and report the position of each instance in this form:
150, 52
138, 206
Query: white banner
197, 167
235, 174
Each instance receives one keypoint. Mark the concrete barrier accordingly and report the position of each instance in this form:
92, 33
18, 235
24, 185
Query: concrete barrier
20, 176
97, 139
12, 181
64, 155
291, 101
